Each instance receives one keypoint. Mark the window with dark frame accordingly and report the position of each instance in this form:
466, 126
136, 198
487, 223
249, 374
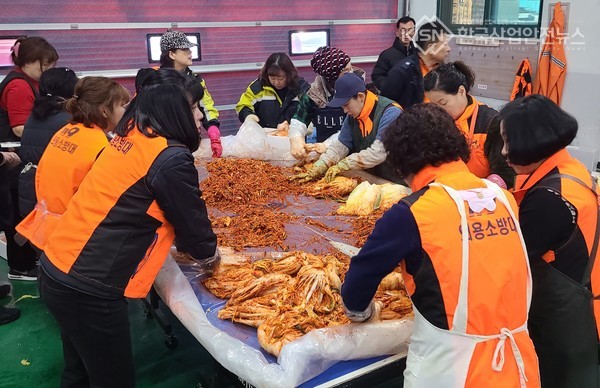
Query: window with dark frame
302, 42
495, 18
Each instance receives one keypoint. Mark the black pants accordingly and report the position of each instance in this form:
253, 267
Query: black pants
20, 258
95, 336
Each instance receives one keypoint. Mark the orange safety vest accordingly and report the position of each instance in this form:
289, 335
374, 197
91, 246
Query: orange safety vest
67, 159
114, 236
523, 81
475, 280
581, 198
474, 123
552, 65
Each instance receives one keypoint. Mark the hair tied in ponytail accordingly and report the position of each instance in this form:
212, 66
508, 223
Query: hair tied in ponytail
15, 49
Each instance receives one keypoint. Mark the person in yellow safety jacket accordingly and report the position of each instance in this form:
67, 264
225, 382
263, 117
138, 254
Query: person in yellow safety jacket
552, 65
559, 213
176, 54
358, 146
272, 99
449, 85
116, 233
96, 107
462, 257
523, 85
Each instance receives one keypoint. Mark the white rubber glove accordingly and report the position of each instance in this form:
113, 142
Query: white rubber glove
297, 149
252, 118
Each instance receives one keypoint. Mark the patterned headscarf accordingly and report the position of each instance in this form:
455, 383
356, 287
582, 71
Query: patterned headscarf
329, 62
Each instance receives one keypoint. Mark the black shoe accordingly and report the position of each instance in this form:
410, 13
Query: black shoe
8, 314
4, 290
30, 275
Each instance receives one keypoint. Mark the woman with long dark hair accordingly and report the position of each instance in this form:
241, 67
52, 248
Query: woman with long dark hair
116, 233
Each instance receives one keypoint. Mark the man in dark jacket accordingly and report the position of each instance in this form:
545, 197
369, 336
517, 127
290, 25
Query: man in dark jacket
404, 82
402, 48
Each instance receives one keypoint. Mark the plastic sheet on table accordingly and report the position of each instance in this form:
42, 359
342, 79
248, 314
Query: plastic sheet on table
235, 346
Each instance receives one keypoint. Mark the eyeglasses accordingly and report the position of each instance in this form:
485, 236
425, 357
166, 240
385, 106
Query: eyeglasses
407, 30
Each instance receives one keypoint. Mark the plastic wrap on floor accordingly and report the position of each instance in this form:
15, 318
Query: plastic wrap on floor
299, 361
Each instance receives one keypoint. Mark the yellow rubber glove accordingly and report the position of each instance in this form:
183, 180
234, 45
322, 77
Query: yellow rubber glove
316, 171
334, 170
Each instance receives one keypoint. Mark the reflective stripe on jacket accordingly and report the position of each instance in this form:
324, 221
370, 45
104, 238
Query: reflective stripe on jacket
552, 65
263, 101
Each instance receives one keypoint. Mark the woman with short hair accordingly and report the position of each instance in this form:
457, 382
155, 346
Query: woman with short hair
558, 210
470, 326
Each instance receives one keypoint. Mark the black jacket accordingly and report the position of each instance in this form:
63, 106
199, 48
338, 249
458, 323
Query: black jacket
404, 82
388, 58
36, 136
6, 213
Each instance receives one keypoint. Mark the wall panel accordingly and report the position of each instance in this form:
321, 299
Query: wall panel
108, 47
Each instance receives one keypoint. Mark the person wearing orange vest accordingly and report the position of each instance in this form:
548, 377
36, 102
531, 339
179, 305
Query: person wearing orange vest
116, 233
96, 108
358, 145
559, 215
463, 260
448, 86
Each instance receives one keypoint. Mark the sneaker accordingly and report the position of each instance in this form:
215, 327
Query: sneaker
4, 290
8, 314
30, 275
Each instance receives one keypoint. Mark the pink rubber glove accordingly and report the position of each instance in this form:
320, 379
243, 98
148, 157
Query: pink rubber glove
497, 180
215, 141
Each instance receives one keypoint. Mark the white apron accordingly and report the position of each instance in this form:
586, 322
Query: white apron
441, 358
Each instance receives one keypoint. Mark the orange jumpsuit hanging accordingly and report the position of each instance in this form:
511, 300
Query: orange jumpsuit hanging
552, 66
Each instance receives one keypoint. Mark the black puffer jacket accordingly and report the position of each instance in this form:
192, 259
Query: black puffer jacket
388, 58
404, 82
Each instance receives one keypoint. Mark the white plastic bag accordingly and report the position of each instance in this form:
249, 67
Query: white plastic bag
249, 142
